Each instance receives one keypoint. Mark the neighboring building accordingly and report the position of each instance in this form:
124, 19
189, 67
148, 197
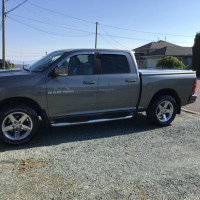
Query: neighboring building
148, 55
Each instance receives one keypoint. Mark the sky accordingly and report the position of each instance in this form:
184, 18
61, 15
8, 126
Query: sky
40, 26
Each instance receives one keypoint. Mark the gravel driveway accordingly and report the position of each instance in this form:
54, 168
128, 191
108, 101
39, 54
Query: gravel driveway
127, 159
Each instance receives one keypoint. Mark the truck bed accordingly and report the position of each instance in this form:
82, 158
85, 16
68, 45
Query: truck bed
164, 71
156, 80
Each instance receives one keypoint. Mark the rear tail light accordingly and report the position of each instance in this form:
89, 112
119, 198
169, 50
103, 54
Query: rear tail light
194, 85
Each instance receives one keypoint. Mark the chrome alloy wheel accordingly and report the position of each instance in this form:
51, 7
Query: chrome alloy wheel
17, 126
164, 111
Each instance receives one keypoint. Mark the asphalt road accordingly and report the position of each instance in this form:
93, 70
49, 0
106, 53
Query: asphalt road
127, 159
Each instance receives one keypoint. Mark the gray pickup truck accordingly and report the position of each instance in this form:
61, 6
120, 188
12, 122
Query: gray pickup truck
84, 86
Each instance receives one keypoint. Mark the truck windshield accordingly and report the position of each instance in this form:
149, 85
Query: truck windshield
45, 62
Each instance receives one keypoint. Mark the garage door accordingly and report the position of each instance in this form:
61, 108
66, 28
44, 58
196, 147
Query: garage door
151, 63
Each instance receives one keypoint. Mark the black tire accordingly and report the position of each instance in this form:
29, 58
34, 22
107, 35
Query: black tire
157, 113
18, 132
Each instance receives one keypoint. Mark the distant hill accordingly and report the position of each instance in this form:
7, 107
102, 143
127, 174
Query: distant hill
20, 64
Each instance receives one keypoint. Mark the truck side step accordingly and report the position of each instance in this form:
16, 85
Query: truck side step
89, 121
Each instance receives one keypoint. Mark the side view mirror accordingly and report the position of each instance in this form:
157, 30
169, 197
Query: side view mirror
61, 71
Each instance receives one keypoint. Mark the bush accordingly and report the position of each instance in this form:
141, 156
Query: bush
170, 62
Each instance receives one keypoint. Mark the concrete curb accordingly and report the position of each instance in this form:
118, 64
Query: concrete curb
190, 111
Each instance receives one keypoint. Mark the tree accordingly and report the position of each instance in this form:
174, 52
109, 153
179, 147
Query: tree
196, 54
170, 62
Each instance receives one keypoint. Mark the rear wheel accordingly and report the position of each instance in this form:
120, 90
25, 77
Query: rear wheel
18, 124
162, 110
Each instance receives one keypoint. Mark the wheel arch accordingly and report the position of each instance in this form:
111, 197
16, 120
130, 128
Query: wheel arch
25, 101
170, 92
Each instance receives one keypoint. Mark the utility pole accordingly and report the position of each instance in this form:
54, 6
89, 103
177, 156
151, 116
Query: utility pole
96, 35
46, 52
3, 27
3, 34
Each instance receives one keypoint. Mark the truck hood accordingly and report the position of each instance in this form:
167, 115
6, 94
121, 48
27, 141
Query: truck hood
14, 73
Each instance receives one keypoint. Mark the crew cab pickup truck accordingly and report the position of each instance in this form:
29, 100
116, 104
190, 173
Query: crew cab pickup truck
79, 86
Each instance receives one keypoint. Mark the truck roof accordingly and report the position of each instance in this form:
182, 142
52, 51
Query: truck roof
106, 50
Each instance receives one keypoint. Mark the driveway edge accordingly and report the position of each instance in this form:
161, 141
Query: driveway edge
190, 111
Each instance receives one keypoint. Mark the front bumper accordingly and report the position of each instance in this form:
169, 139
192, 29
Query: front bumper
192, 99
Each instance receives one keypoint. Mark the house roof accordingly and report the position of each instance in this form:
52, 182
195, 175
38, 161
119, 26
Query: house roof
172, 51
156, 45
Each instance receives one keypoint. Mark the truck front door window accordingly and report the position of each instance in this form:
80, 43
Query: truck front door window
82, 64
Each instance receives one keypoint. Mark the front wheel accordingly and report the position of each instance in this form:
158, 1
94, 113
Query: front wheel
18, 124
162, 111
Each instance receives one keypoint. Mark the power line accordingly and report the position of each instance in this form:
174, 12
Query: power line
111, 26
117, 36
114, 39
106, 40
48, 32
52, 24
148, 32
139, 39
91, 22
58, 13
48, 19
16, 7
80, 30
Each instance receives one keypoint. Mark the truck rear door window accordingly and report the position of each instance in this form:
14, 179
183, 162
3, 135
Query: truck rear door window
114, 64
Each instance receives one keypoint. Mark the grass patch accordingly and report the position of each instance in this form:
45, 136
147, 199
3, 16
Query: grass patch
8, 68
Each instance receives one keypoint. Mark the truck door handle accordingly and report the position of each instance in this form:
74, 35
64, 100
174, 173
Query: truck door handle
130, 80
88, 82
